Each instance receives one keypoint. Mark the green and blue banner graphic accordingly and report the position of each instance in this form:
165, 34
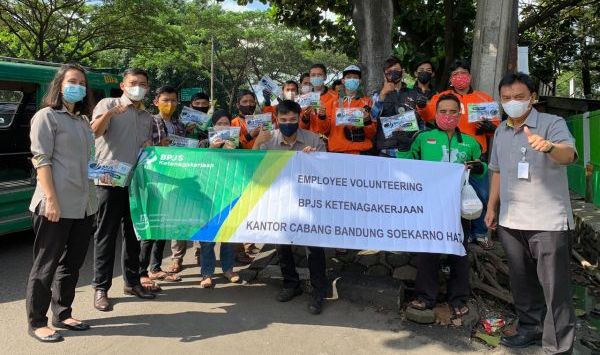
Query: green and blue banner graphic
282, 197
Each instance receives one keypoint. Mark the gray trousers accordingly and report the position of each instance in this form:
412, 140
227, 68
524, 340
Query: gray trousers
540, 280
179, 248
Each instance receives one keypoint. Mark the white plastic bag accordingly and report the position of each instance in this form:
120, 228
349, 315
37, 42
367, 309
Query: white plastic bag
470, 205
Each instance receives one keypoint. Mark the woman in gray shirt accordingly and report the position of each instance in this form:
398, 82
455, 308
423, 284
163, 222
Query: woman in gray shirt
63, 204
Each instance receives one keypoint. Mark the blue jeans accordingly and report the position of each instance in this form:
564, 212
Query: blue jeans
208, 260
481, 184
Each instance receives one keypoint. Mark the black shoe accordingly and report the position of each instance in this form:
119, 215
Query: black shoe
287, 294
76, 327
519, 341
54, 338
315, 305
139, 292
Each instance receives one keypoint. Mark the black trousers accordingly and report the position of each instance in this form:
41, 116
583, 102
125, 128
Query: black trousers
113, 215
540, 280
59, 251
151, 251
316, 267
427, 284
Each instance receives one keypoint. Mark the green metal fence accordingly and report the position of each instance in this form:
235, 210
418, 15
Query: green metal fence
584, 175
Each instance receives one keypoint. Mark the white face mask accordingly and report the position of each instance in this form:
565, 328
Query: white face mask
515, 108
289, 95
305, 89
135, 93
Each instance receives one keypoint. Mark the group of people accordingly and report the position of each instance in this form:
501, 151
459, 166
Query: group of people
526, 163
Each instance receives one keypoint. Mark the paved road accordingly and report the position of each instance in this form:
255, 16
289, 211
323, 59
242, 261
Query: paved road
230, 319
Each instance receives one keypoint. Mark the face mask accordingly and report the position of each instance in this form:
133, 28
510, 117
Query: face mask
305, 89
201, 109
446, 122
424, 77
73, 93
247, 110
167, 109
515, 108
394, 76
289, 95
351, 84
461, 81
317, 81
288, 129
135, 93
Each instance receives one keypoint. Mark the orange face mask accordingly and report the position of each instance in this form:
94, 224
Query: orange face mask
167, 109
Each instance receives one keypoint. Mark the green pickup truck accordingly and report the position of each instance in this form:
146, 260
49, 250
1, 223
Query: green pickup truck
23, 83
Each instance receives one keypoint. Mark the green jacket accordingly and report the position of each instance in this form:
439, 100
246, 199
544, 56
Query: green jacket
433, 146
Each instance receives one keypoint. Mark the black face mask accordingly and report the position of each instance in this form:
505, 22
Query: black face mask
424, 77
247, 110
394, 76
201, 109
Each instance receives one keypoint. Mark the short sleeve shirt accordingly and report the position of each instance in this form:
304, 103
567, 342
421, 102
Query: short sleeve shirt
541, 202
125, 133
304, 138
64, 142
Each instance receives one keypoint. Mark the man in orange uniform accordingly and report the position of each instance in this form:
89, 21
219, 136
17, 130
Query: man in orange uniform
345, 138
246, 105
460, 80
314, 119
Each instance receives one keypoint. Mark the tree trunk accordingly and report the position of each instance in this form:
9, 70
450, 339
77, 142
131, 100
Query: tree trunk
586, 77
373, 20
494, 43
449, 49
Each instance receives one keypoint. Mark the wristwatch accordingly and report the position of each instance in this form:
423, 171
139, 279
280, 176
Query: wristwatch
551, 147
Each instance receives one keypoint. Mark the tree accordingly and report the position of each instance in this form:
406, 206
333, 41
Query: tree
76, 30
419, 29
564, 45
248, 45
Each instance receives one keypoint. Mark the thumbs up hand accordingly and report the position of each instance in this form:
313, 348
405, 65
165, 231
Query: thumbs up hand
537, 142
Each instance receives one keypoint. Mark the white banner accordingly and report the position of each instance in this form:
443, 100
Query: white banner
353, 202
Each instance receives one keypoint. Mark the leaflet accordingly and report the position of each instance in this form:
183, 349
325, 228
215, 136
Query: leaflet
271, 86
485, 111
190, 117
311, 99
403, 122
117, 171
349, 117
255, 121
230, 134
178, 141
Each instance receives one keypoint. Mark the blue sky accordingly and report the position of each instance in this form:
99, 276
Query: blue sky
232, 5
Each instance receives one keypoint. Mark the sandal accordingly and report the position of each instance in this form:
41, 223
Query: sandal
158, 275
232, 276
206, 282
418, 304
172, 277
460, 311
149, 285
176, 266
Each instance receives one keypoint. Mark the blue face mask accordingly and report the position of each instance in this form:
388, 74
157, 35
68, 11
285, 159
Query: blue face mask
288, 129
317, 81
352, 84
73, 93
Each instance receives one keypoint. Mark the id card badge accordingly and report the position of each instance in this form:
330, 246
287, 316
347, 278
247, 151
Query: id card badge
523, 170
523, 166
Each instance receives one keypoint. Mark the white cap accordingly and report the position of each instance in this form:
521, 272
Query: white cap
351, 69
